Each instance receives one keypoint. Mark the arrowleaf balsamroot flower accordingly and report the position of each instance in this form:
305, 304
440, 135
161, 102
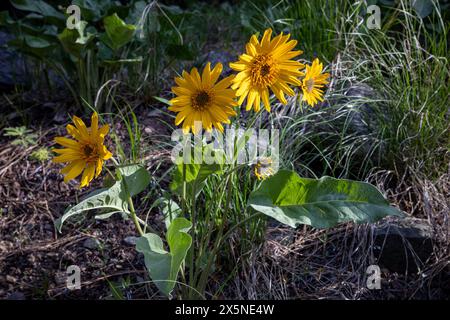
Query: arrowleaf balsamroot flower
264, 168
267, 64
201, 99
86, 153
313, 83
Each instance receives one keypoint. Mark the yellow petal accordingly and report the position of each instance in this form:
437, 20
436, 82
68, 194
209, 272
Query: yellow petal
99, 167
265, 98
65, 142
94, 124
88, 175
103, 131
215, 73
265, 41
82, 129
75, 170
66, 158
206, 76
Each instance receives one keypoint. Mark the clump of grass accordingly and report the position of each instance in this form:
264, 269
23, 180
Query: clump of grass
387, 104
409, 69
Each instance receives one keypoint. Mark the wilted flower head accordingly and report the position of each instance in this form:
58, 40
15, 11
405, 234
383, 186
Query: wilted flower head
264, 168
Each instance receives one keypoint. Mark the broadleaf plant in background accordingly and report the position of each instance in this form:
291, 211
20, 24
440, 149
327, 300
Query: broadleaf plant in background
76, 54
109, 38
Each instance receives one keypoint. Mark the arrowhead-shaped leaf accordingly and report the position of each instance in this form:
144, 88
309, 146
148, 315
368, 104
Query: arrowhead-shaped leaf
114, 199
119, 33
163, 266
321, 203
196, 175
75, 40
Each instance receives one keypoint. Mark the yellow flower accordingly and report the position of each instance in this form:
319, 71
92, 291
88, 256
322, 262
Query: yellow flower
313, 83
200, 99
84, 154
264, 168
266, 64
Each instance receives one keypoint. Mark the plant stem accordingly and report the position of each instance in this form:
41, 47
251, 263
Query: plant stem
191, 263
134, 217
204, 275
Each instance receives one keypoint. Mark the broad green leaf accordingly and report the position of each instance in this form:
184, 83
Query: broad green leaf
107, 215
136, 11
136, 177
93, 10
170, 210
196, 175
5, 19
41, 7
113, 199
423, 7
32, 45
321, 203
119, 33
21, 29
163, 266
76, 40
36, 42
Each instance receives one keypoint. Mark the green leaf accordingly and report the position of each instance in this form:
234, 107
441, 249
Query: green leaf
163, 266
75, 40
114, 198
94, 10
170, 210
21, 29
39, 6
165, 101
32, 45
5, 18
321, 203
118, 31
136, 177
196, 175
423, 7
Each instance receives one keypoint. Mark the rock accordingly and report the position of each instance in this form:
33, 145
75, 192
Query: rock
91, 243
12, 64
15, 68
403, 245
367, 108
16, 295
130, 240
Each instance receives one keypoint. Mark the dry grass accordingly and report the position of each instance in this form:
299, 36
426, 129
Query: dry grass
319, 264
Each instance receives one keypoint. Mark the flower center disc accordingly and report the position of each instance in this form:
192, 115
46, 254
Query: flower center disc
263, 70
200, 100
89, 152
